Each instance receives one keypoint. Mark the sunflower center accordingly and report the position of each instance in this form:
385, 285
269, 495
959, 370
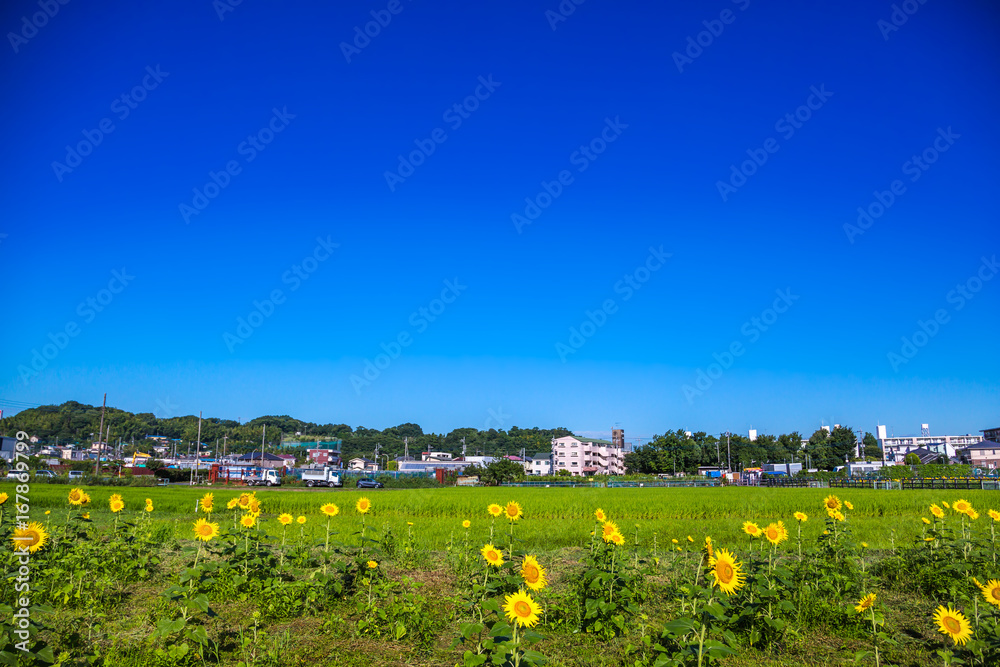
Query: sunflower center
522, 609
725, 572
530, 573
951, 624
995, 592
492, 555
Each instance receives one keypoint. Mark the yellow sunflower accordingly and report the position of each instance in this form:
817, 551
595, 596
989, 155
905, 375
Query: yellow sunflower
30, 538
254, 505
285, 519
330, 510
865, 603
801, 516
946, 505
76, 497
832, 502
207, 502
149, 504
363, 505
991, 591
848, 505
751, 529
953, 623
86, 515
616, 538
994, 515
972, 514
709, 550
838, 515
3, 498
301, 519
205, 531
521, 609
115, 496
925, 520
492, 555
937, 511
690, 539
466, 523
117, 505
86, 499
726, 572
244, 501
609, 528
513, 511
776, 533
600, 515
494, 510
962, 506
533, 574
249, 520
233, 502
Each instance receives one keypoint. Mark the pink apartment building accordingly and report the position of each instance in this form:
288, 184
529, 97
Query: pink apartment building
588, 457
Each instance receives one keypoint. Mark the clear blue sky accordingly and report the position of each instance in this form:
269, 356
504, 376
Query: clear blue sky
660, 133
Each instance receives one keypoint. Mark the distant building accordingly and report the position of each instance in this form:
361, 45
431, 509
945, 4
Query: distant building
363, 464
265, 460
991, 434
324, 457
540, 464
984, 454
7, 448
896, 448
587, 457
436, 456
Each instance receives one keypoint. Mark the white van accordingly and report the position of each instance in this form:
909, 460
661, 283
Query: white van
76, 474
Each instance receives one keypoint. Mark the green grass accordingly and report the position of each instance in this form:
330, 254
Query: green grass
554, 518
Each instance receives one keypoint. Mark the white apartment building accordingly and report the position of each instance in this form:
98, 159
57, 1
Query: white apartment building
540, 464
896, 448
587, 457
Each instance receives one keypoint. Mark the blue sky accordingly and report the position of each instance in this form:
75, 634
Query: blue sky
627, 150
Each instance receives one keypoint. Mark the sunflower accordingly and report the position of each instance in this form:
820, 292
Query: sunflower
205, 531
991, 591
254, 505
848, 505
674, 540
690, 539
864, 545
946, 505
600, 515
533, 574
30, 538
372, 565
776, 533
330, 510
726, 572
751, 529
925, 520
952, 623
801, 516
149, 504
865, 603
838, 515
244, 500
76, 497
248, 520
363, 505
233, 502
117, 505
972, 514
521, 609
492, 555
994, 515
115, 496
962, 506
616, 538
86, 499
285, 519
608, 528
513, 511
709, 550
466, 523
301, 519
207, 502
832, 502
86, 515
494, 510
937, 511
3, 498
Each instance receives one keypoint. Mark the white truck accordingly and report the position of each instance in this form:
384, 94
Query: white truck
324, 477
267, 478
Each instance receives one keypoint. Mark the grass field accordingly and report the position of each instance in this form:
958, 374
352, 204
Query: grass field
313, 606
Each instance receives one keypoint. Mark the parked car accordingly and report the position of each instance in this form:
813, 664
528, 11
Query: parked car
369, 483
76, 474
45, 473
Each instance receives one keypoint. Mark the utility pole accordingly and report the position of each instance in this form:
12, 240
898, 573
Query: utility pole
197, 449
406, 447
100, 430
224, 444
729, 453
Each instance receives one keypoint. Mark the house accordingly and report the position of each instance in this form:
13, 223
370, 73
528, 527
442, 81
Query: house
265, 460
540, 464
366, 465
435, 456
985, 454
7, 448
587, 457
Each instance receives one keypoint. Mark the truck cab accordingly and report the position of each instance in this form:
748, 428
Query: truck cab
267, 478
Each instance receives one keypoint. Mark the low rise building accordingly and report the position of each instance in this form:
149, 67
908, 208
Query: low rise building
583, 458
360, 463
540, 464
985, 454
896, 448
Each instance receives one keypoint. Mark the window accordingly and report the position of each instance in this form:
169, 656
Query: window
574, 463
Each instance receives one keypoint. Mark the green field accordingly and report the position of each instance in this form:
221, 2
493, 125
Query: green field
98, 579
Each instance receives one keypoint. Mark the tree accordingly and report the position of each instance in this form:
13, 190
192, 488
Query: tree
872, 450
911, 459
501, 471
